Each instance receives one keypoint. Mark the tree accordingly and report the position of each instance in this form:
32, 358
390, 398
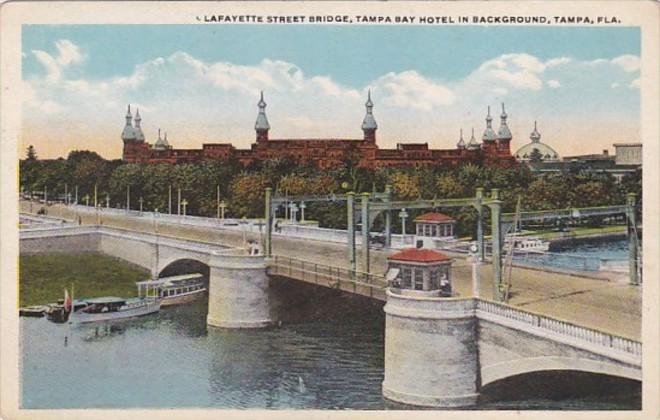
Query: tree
247, 194
31, 153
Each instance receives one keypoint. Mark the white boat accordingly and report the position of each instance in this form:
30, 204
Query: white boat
113, 308
528, 244
175, 290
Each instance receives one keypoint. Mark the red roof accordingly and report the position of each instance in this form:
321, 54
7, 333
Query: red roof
419, 255
434, 218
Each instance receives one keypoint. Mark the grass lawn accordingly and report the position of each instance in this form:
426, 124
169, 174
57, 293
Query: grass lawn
42, 278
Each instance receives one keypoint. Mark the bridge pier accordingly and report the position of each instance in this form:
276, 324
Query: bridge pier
238, 292
431, 353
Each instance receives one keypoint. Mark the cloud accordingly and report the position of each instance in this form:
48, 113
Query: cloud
629, 63
614, 85
554, 84
635, 84
199, 100
409, 89
68, 53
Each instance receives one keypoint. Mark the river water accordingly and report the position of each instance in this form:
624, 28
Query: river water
327, 354
578, 255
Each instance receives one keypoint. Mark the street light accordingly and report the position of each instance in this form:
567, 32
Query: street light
141, 201
303, 206
475, 261
184, 203
403, 214
222, 206
86, 197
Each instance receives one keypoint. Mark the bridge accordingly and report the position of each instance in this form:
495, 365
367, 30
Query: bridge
438, 351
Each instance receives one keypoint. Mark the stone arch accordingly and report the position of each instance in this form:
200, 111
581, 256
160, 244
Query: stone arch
180, 266
503, 370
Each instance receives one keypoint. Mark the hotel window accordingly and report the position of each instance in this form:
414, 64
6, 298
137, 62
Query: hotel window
427, 230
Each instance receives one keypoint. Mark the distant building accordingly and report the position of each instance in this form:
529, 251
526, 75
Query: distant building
434, 227
627, 160
326, 153
628, 153
535, 150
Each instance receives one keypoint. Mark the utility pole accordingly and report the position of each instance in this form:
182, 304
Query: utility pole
388, 217
269, 223
632, 241
217, 201
365, 232
495, 215
480, 227
350, 204
169, 200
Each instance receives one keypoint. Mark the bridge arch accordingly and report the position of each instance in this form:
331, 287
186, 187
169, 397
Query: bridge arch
175, 267
503, 370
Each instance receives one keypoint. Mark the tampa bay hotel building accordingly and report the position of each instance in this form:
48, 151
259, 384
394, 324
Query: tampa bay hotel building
326, 153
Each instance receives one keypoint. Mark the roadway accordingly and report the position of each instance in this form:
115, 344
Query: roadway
609, 306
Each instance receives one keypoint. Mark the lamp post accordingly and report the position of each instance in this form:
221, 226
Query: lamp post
45, 195
303, 206
222, 206
141, 201
76, 201
128, 198
217, 201
184, 203
107, 201
178, 201
403, 214
96, 195
475, 261
294, 212
86, 197
66, 194
169, 200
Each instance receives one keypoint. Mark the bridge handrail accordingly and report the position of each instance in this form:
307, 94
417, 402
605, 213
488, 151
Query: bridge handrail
592, 336
334, 272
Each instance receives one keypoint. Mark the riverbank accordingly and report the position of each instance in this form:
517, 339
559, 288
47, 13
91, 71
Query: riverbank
43, 278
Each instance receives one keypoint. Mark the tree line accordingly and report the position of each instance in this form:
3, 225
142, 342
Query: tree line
242, 188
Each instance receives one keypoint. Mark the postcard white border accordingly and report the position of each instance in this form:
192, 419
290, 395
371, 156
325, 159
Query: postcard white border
644, 14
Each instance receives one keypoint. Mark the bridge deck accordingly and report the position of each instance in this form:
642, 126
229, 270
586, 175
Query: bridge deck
608, 306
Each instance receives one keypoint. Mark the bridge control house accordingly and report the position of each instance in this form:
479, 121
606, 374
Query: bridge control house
434, 227
420, 272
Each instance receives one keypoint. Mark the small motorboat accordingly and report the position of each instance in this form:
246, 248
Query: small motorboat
114, 308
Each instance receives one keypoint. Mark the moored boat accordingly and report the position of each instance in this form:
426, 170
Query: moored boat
175, 290
528, 244
114, 308
36, 311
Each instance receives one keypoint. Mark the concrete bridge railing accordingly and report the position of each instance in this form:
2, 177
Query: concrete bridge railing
599, 342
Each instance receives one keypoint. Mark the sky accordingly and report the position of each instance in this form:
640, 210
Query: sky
201, 83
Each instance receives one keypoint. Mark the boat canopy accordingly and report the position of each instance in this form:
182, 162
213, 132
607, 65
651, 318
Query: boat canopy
106, 300
165, 281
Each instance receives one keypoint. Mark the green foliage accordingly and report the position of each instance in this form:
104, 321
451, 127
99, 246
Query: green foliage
42, 278
242, 188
